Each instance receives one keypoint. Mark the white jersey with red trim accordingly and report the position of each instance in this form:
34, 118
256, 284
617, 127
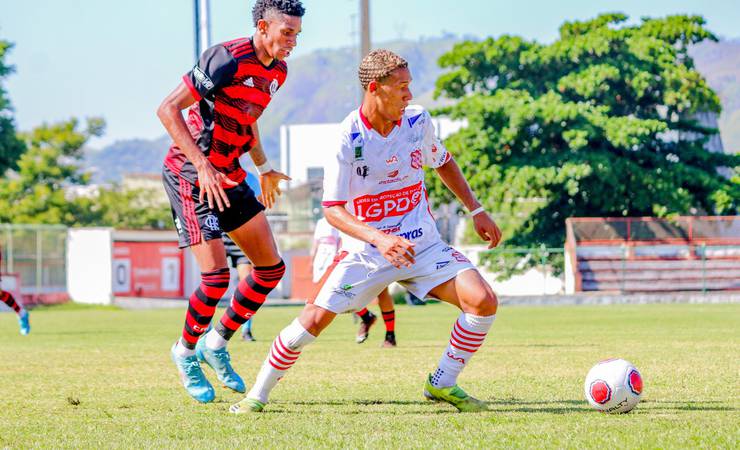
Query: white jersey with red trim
380, 180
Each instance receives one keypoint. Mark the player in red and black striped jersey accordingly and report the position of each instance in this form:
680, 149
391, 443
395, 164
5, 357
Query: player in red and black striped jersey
224, 94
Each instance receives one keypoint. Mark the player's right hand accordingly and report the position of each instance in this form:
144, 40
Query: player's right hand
211, 183
397, 250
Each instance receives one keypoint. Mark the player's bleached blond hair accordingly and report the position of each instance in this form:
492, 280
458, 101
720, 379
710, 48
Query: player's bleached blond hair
378, 64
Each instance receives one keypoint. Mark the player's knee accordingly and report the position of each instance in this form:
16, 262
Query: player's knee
314, 319
482, 302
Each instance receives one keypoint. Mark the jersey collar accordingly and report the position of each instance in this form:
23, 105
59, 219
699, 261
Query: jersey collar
367, 123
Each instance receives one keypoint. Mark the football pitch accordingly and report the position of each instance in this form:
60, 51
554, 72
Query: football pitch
102, 378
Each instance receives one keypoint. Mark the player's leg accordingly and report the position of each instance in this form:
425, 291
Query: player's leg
197, 228
284, 352
367, 320
244, 268
23, 317
214, 281
385, 301
477, 302
256, 240
345, 287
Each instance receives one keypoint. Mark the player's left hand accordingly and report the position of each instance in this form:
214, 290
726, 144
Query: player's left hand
270, 184
487, 229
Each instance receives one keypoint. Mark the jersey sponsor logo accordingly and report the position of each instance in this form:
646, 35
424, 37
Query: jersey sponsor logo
273, 87
413, 234
398, 202
392, 160
358, 153
416, 159
362, 171
202, 78
343, 292
211, 223
249, 82
459, 257
393, 174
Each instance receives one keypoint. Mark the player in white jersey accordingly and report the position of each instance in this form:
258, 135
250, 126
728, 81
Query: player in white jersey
374, 194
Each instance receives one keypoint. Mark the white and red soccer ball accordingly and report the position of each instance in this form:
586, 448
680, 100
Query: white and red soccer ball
613, 386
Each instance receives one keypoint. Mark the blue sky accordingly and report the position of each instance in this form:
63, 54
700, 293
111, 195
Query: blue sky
118, 59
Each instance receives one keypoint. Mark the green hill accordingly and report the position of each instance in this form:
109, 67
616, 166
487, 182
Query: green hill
322, 87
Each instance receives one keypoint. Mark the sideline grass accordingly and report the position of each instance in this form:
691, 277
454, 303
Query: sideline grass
102, 378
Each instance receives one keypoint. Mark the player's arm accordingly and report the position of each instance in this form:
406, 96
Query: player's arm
269, 178
397, 250
215, 68
455, 181
209, 179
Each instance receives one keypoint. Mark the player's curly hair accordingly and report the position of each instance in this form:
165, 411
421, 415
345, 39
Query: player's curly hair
289, 7
378, 64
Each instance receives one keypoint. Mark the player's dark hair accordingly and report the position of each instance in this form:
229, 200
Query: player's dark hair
289, 7
378, 64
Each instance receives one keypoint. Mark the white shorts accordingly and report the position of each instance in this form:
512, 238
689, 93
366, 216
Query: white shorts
357, 278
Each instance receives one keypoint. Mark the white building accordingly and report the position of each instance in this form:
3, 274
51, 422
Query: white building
304, 149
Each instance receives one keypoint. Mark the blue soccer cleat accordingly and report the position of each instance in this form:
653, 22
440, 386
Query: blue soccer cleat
24, 323
193, 378
220, 362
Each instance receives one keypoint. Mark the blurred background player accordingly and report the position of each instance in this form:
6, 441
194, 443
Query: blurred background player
225, 94
7, 298
389, 234
326, 245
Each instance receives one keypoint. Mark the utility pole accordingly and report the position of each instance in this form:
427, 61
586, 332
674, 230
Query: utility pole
202, 15
364, 32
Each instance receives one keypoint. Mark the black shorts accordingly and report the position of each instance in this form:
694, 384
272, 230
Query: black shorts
234, 253
195, 221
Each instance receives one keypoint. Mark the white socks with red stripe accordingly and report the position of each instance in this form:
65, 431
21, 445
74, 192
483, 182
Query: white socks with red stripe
467, 336
283, 354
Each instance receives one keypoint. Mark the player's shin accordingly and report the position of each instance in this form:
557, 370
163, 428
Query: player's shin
284, 352
201, 308
249, 296
468, 334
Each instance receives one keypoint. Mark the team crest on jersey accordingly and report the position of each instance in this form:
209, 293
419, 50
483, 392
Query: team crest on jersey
416, 159
273, 87
211, 223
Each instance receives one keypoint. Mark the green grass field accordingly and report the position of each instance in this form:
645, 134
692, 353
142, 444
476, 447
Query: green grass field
102, 378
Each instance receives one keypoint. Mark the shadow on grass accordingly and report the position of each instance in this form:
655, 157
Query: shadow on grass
505, 405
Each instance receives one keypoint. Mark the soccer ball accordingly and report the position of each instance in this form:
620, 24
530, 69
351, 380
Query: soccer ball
613, 386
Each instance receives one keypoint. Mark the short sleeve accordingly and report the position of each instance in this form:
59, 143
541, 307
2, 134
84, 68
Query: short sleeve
337, 175
215, 69
433, 150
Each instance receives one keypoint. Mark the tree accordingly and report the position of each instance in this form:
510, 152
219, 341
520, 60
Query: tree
38, 191
50, 186
598, 123
10, 146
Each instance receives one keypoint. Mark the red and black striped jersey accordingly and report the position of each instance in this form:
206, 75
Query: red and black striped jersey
232, 88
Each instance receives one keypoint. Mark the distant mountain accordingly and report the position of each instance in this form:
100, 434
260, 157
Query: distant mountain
126, 156
719, 62
323, 87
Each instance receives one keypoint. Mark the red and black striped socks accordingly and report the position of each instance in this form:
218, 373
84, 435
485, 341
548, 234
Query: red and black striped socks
203, 304
389, 317
8, 299
248, 297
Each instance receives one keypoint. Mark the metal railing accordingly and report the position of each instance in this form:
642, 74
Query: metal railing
38, 254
